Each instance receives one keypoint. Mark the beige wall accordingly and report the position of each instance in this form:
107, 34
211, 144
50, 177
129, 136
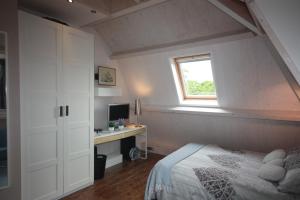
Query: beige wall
9, 24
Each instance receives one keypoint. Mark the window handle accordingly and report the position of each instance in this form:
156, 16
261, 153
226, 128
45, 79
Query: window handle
61, 111
67, 110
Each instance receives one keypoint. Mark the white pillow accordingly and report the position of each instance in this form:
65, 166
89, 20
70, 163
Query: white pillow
271, 172
276, 154
277, 162
291, 182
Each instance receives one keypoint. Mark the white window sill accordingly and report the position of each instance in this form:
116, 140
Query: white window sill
291, 116
200, 103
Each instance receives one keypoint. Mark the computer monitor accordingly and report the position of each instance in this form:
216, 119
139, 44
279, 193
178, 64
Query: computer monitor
118, 111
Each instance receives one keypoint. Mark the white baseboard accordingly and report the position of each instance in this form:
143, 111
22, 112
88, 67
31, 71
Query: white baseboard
76, 190
113, 159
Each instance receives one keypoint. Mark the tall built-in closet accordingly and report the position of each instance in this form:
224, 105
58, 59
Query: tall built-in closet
57, 108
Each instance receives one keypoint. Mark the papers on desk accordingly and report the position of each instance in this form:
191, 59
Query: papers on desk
117, 131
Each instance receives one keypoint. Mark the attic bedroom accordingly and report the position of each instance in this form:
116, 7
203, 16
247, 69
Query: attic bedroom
149, 99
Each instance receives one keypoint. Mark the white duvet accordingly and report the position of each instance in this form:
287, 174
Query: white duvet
214, 173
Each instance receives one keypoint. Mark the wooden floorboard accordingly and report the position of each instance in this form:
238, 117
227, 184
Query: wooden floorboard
126, 181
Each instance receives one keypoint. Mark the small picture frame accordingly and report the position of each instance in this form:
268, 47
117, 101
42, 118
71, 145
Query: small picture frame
107, 76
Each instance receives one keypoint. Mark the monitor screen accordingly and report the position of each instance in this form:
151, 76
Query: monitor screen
118, 111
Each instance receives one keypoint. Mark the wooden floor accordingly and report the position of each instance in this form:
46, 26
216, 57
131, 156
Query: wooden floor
126, 181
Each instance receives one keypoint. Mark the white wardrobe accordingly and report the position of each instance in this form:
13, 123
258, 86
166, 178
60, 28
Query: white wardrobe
57, 108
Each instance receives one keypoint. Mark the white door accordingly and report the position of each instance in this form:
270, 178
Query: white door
78, 70
41, 96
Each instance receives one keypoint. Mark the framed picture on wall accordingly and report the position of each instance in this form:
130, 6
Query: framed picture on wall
107, 76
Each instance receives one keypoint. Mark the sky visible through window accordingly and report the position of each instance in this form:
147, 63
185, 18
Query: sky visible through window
198, 79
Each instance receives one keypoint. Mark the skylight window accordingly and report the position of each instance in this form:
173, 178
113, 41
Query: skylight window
196, 77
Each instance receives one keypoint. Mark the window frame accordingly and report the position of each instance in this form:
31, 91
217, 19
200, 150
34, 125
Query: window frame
187, 59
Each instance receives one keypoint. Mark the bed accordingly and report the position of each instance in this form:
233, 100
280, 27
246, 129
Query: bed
210, 172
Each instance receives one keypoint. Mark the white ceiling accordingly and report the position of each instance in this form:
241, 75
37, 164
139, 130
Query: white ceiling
134, 25
79, 12
75, 14
167, 24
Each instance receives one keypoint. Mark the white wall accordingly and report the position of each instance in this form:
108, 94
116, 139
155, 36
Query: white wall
246, 76
169, 131
102, 59
100, 113
9, 24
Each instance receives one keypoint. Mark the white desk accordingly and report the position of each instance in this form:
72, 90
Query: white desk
129, 131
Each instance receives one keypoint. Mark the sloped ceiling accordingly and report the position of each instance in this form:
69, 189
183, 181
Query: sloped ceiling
238, 7
99, 5
75, 14
118, 5
280, 20
80, 12
168, 23
111, 6
134, 25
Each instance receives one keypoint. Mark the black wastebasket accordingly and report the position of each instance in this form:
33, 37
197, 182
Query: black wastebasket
99, 164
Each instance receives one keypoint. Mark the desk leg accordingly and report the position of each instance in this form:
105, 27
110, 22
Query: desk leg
146, 146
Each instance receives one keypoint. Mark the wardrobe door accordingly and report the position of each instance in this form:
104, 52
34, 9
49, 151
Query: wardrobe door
41, 96
78, 67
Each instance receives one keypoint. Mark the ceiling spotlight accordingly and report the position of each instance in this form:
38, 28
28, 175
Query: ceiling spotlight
70, 1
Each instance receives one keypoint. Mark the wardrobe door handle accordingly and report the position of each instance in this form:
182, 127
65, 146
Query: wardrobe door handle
61, 111
67, 110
